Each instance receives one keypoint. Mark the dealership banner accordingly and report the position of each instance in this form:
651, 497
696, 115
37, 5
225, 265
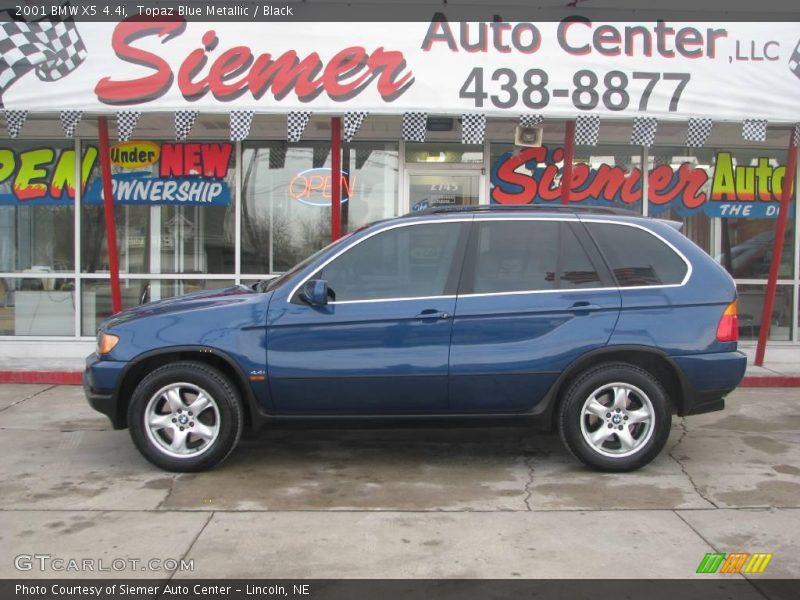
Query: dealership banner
143, 173
724, 189
666, 69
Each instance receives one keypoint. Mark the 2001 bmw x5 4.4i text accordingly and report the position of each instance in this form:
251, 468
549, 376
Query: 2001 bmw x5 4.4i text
598, 324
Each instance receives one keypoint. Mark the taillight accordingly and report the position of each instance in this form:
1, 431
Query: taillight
728, 328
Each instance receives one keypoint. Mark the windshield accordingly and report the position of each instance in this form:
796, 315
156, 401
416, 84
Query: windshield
273, 284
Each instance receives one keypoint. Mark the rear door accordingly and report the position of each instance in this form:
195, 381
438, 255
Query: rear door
533, 297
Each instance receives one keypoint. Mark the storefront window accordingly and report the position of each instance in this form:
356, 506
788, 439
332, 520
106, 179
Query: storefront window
96, 295
602, 176
37, 198
174, 209
679, 188
286, 190
747, 247
750, 183
37, 306
443, 153
751, 305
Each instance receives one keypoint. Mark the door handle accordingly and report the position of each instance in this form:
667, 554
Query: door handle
431, 314
583, 307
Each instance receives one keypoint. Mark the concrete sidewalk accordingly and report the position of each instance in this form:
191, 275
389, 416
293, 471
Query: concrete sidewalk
479, 502
67, 371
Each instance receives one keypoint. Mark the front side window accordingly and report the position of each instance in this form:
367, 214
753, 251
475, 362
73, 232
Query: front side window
520, 256
405, 262
636, 257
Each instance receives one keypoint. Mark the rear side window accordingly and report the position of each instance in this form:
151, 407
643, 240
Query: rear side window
529, 255
636, 257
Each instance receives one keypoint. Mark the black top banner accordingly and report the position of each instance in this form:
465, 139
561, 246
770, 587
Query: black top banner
711, 588
384, 11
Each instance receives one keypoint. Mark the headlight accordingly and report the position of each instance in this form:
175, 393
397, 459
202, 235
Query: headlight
106, 342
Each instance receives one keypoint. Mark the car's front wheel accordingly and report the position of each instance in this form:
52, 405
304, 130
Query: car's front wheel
615, 417
185, 416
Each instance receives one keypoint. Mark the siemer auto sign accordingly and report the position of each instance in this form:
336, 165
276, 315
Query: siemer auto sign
671, 70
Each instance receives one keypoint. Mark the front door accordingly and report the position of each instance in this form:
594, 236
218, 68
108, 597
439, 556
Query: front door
426, 188
381, 344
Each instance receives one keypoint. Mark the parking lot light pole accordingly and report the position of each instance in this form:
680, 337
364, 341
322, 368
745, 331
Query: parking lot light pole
777, 249
108, 206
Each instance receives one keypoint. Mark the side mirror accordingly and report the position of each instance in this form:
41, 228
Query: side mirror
315, 292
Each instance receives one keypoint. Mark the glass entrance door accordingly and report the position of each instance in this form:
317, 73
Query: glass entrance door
427, 188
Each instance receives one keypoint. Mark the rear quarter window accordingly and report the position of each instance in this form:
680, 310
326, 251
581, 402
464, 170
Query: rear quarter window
636, 256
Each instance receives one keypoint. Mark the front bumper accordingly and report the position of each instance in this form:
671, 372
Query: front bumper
100, 381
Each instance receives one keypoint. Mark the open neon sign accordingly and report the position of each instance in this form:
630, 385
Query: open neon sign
313, 186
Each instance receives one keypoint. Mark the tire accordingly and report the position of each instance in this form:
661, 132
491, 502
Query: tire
614, 440
160, 409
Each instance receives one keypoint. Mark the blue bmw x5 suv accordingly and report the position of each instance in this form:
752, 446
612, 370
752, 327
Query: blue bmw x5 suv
599, 324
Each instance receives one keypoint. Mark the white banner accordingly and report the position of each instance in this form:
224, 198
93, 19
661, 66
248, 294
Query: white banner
668, 70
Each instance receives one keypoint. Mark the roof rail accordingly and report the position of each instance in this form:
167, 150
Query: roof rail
451, 208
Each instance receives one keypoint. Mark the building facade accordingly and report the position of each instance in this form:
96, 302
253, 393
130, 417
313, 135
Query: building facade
207, 212
195, 210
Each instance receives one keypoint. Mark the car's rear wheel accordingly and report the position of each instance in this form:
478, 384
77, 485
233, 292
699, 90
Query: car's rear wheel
185, 416
615, 417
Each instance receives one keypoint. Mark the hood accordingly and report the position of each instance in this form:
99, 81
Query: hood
194, 301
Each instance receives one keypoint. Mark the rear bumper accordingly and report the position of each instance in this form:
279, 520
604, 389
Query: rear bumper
100, 380
708, 378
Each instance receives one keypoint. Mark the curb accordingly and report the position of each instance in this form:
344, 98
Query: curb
49, 377
75, 378
770, 381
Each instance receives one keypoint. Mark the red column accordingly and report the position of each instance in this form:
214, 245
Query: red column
777, 249
569, 151
336, 178
108, 204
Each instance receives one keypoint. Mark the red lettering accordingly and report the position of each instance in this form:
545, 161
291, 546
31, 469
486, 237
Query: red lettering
171, 163
192, 161
216, 159
659, 181
346, 63
580, 175
143, 89
548, 190
507, 174
390, 64
236, 71
692, 183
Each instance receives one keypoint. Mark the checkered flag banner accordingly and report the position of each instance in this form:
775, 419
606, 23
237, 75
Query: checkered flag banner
797, 134
184, 121
531, 120
69, 121
352, 122
296, 123
644, 131
241, 120
587, 130
126, 123
415, 126
15, 119
52, 47
754, 130
698, 131
473, 128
